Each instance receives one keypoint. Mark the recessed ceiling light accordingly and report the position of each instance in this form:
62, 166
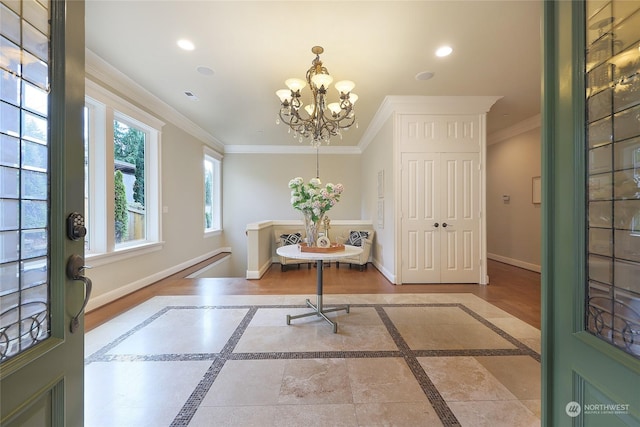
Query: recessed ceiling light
424, 75
186, 44
444, 51
205, 71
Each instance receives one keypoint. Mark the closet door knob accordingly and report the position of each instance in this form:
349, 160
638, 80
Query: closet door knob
444, 224
436, 225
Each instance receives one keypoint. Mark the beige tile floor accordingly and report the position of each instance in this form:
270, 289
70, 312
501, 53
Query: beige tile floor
402, 360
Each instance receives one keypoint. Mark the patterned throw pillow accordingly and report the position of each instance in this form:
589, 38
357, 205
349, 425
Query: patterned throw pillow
291, 239
356, 237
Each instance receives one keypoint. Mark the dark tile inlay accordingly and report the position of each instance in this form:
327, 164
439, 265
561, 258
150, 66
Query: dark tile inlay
219, 359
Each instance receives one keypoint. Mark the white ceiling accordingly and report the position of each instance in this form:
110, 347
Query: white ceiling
253, 46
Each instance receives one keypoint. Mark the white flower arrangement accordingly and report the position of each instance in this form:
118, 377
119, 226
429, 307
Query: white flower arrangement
313, 199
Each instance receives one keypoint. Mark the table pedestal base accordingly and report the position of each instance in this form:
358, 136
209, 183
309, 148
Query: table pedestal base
318, 309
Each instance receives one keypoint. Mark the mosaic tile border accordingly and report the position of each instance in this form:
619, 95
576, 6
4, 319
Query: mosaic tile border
410, 356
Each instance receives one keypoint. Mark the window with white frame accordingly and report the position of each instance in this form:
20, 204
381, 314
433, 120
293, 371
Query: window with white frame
212, 191
122, 164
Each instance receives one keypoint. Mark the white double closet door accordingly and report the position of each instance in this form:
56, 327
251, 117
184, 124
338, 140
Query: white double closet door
440, 218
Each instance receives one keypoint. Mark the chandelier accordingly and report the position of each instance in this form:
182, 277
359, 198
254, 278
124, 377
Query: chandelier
321, 120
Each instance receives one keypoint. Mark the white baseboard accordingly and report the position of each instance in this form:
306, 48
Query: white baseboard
113, 295
386, 273
515, 262
253, 274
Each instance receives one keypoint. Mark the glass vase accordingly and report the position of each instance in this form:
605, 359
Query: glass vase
311, 228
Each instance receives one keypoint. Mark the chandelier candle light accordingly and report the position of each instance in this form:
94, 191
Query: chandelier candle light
314, 201
322, 120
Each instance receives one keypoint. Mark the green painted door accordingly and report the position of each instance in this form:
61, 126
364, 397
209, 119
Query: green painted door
591, 213
41, 183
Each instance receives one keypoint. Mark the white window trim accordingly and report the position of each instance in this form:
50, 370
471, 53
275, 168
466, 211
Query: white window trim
208, 152
105, 107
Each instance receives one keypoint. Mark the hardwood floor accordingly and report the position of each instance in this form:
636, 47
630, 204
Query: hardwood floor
515, 290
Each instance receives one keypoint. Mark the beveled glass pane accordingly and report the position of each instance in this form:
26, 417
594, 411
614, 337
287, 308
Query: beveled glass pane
626, 185
600, 187
8, 278
34, 185
9, 182
9, 87
627, 123
600, 23
10, 56
600, 241
600, 269
37, 15
627, 154
599, 51
627, 274
35, 71
9, 151
600, 214
600, 105
8, 246
34, 272
627, 245
626, 63
627, 93
34, 99
34, 127
34, 214
34, 41
600, 159
627, 215
34, 243
9, 209
10, 24
600, 132
9, 119
34, 156
599, 79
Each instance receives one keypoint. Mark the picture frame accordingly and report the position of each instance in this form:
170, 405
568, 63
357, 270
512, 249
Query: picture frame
536, 190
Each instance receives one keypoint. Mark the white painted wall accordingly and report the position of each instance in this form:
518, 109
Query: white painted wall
255, 188
514, 226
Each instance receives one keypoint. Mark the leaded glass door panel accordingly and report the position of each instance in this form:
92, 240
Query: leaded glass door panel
591, 128
41, 164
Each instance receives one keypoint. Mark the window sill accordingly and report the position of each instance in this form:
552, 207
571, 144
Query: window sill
97, 260
212, 233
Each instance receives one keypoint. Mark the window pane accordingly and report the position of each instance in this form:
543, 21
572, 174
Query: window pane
208, 194
613, 174
129, 182
24, 205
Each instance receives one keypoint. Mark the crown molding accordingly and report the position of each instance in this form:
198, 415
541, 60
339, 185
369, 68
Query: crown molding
289, 149
517, 129
100, 71
425, 105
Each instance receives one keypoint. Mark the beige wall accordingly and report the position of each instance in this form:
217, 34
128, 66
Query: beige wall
513, 227
255, 188
182, 224
378, 156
